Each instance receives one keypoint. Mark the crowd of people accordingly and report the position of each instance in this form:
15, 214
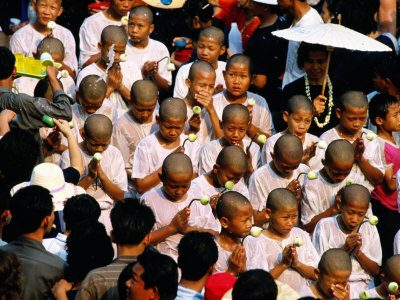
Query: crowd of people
154, 159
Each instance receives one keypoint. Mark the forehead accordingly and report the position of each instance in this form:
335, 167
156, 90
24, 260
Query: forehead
94, 140
283, 158
171, 121
208, 41
339, 165
355, 111
285, 209
118, 46
242, 210
355, 205
49, 2
301, 113
231, 169
138, 104
178, 178
317, 54
87, 100
238, 67
338, 275
139, 18
201, 75
235, 121
394, 107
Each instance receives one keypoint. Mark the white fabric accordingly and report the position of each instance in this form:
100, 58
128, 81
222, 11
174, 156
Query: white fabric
292, 71
264, 180
180, 88
319, 195
90, 35
327, 235
396, 243
206, 131
130, 72
127, 133
306, 255
314, 163
154, 51
165, 210
262, 118
398, 189
370, 153
307, 292
57, 245
209, 153
374, 294
26, 40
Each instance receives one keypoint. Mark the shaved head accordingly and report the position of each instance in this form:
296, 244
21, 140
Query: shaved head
52, 46
356, 193
240, 59
299, 102
213, 33
354, 99
93, 87
281, 198
198, 66
232, 157
98, 127
177, 163
392, 268
339, 151
113, 34
144, 91
229, 203
289, 146
334, 259
173, 108
143, 11
237, 111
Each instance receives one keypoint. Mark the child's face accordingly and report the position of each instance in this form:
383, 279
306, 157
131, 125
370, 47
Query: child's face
203, 82
352, 119
285, 165
237, 79
235, 130
352, 214
209, 50
241, 223
122, 7
298, 122
283, 219
392, 120
118, 50
171, 129
139, 28
380, 83
335, 277
142, 111
96, 145
227, 174
337, 171
90, 106
47, 10
175, 186
315, 65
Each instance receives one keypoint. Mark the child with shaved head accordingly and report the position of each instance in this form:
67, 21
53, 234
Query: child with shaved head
286, 261
298, 116
105, 177
235, 215
137, 123
121, 75
360, 241
235, 122
281, 172
210, 47
238, 76
146, 52
333, 274
170, 206
153, 149
352, 114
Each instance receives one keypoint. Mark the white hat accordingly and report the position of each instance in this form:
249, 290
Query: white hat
270, 2
168, 4
51, 177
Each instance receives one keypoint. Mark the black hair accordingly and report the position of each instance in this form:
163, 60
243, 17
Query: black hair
43, 86
159, 271
391, 269
304, 51
299, 102
281, 198
232, 157
10, 276
334, 259
145, 91
131, 221
176, 163
379, 106
235, 110
98, 127
244, 286
356, 99
388, 69
80, 208
89, 247
51, 46
288, 145
7, 63
228, 204
240, 59
93, 87
29, 206
359, 15
202, 66
142, 10
356, 193
213, 33
4, 40
172, 108
197, 253
113, 34
124, 276
339, 151
199, 8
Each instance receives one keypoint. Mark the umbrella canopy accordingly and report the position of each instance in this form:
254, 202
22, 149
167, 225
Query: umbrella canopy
332, 35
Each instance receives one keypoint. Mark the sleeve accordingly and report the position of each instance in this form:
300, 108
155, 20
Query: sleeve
180, 89
140, 163
194, 155
311, 202
119, 177
371, 246
206, 160
319, 238
266, 152
203, 217
70, 52
15, 44
87, 290
371, 156
256, 192
396, 243
88, 44
266, 118
119, 141
311, 256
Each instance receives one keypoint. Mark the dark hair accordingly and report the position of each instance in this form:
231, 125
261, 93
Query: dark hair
124, 276
159, 271
240, 59
197, 253
10, 276
304, 52
379, 106
80, 208
43, 86
244, 286
199, 8
29, 206
388, 69
89, 247
7, 63
131, 221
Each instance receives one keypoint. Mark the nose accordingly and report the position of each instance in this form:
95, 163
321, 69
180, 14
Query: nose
128, 283
236, 134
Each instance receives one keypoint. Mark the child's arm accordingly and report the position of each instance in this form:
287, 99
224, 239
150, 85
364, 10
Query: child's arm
206, 100
193, 228
305, 270
252, 130
259, 217
286, 262
92, 59
144, 184
150, 69
93, 173
373, 174
115, 83
111, 189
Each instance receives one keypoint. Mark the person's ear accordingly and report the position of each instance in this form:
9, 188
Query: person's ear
60, 11
14, 72
317, 272
161, 177
46, 222
151, 28
285, 116
188, 83
382, 277
152, 293
224, 222
268, 213
338, 112
211, 270
196, 22
5, 216
220, 125
216, 168
272, 155
379, 121
253, 78
146, 240
222, 50
323, 162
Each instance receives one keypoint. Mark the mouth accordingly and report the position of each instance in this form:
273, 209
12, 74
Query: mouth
299, 133
234, 142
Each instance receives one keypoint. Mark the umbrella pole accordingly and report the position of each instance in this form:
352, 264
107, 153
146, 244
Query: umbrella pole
330, 50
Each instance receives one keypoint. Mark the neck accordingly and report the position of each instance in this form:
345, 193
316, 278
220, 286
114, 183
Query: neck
347, 135
342, 226
111, 14
8, 82
190, 101
130, 250
386, 135
318, 292
101, 64
272, 233
41, 28
142, 44
236, 99
319, 81
228, 239
267, 19
299, 9
37, 235
194, 285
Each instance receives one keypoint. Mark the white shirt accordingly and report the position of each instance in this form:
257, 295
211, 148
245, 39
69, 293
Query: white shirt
27, 39
327, 235
264, 180
181, 90
314, 163
371, 153
261, 115
90, 35
398, 188
206, 131
57, 245
292, 71
210, 151
154, 51
396, 243
130, 72
165, 210
306, 255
